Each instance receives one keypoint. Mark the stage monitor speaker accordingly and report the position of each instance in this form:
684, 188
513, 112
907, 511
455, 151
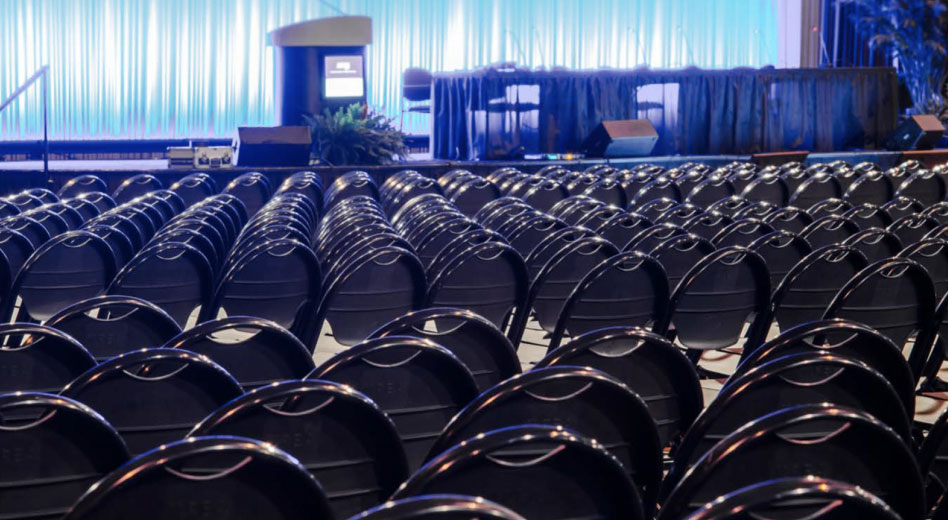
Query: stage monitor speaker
629, 138
778, 158
916, 133
273, 146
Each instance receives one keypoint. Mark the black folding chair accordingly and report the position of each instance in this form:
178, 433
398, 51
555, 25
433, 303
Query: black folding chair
154, 396
489, 279
822, 440
339, 435
256, 352
587, 401
224, 477
176, 277
650, 365
67, 269
377, 286
627, 289
794, 379
895, 297
716, 298
809, 287
277, 280
841, 338
111, 325
564, 475
55, 448
418, 384
478, 343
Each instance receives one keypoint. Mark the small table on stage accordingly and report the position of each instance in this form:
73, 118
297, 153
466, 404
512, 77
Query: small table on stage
491, 113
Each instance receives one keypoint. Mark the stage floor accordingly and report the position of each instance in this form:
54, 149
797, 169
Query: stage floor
161, 165
19, 175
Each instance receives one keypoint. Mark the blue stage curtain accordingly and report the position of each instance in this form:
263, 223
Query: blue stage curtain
182, 68
492, 114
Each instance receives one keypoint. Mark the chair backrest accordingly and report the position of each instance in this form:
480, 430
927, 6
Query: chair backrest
768, 188
933, 462
252, 189
828, 230
912, 228
119, 243
111, 325
814, 189
741, 232
794, 379
256, 352
710, 190
900, 207
557, 278
565, 475
35, 232
809, 287
338, 434
194, 188
67, 269
895, 297
844, 444
419, 384
924, 186
788, 218
585, 400
440, 507
876, 243
706, 225
101, 200
825, 500
375, 288
478, 343
489, 279
932, 254
627, 289
781, 250
867, 215
872, 187
678, 255
39, 358
831, 206
841, 338
218, 477
174, 276
16, 248
54, 449
136, 186
650, 365
278, 280
722, 292
622, 228
154, 396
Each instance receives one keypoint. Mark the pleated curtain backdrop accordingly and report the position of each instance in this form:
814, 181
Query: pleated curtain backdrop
184, 68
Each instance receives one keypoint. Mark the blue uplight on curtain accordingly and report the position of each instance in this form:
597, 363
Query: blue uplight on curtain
183, 68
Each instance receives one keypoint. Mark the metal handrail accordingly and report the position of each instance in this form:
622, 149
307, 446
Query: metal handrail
41, 74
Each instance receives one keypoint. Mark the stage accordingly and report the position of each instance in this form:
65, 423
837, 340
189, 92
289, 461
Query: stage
20, 175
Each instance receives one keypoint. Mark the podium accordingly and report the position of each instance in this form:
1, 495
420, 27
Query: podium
319, 64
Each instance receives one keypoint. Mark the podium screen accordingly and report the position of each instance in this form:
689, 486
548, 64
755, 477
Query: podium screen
344, 77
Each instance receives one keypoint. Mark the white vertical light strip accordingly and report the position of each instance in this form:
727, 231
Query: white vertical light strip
183, 68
